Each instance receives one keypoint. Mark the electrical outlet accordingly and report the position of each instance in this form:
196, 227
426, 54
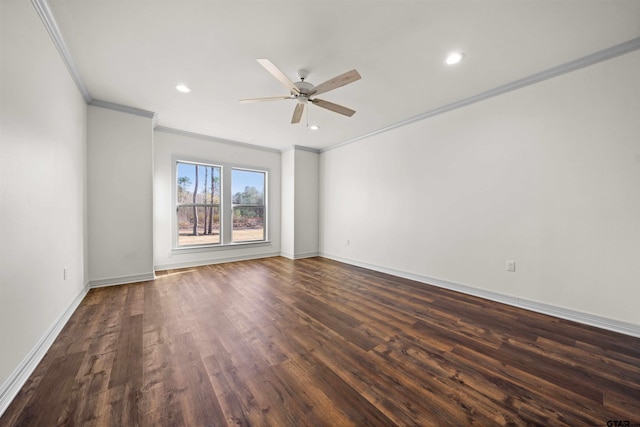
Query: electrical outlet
511, 265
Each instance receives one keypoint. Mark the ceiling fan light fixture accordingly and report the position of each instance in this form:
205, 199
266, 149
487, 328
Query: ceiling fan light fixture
454, 58
182, 88
314, 127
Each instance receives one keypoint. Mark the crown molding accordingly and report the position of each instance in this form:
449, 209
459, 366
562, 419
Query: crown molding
122, 108
301, 148
214, 139
43, 10
568, 67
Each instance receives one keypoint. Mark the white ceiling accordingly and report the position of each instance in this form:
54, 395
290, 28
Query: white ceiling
133, 52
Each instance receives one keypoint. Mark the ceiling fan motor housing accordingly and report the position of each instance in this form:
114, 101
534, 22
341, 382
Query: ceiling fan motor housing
304, 88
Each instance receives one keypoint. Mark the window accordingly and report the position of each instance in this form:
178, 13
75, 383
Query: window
218, 205
198, 204
248, 205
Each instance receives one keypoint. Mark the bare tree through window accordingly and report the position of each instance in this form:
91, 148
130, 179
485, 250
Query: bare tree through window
198, 204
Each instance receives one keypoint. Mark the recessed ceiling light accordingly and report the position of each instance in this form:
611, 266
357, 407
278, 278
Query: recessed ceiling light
314, 127
182, 88
454, 58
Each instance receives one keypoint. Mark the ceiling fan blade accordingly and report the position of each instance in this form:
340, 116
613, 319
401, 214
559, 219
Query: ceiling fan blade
270, 98
278, 74
333, 107
336, 82
297, 113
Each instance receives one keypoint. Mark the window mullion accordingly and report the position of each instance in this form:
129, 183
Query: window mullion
227, 206
197, 205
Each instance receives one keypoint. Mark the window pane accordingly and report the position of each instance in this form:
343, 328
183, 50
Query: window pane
247, 187
248, 224
198, 225
198, 183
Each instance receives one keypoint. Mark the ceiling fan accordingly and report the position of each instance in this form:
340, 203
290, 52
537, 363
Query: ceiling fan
303, 91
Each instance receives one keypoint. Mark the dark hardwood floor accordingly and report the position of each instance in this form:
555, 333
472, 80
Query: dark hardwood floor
314, 342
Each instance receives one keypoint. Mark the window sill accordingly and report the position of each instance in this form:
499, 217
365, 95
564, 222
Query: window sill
213, 248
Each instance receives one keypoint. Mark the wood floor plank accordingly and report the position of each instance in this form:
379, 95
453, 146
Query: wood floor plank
623, 404
127, 364
525, 387
91, 380
231, 404
54, 389
314, 342
199, 402
354, 405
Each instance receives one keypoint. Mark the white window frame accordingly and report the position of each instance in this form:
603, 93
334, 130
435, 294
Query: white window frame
226, 206
196, 205
243, 205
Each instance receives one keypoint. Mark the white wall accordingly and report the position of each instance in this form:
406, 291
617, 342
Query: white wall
168, 146
288, 209
548, 176
120, 196
300, 187
306, 203
42, 193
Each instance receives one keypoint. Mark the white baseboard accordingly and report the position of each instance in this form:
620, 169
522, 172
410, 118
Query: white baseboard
538, 307
122, 280
299, 256
211, 261
10, 388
